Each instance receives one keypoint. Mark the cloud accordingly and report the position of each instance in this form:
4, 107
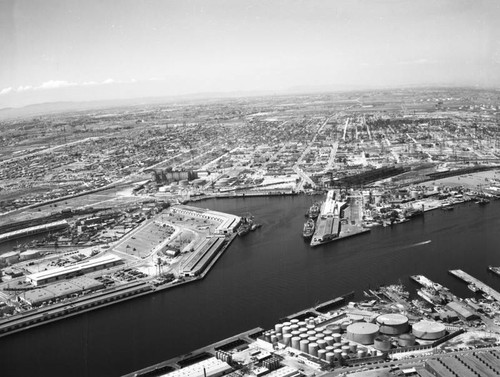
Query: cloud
54, 84
23, 88
57, 84
5, 90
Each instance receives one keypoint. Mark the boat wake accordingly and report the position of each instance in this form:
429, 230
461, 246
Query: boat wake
417, 244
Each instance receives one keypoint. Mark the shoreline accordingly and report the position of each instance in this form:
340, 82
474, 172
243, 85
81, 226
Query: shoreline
37, 317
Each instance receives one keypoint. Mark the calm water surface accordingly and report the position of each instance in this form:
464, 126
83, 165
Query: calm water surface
262, 277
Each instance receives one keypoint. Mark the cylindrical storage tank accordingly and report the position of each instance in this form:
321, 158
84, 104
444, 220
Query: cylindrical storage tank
373, 352
301, 323
311, 333
330, 357
344, 325
345, 349
278, 327
286, 330
295, 333
335, 329
353, 347
338, 354
337, 345
329, 340
267, 336
313, 349
428, 330
327, 332
296, 342
356, 318
287, 340
322, 354
279, 336
392, 324
344, 355
406, 340
286, 324
362, 332
312, 339
361, 353
310, 327
294, 321
304, 336
304, 345
382, 343
336, 337
303, 329
321, 344
319, 335
294, 327
274, 339
329, 348
344, 342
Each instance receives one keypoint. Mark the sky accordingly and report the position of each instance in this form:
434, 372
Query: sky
67, 50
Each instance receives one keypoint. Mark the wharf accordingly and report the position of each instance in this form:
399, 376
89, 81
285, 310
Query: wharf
478, 283
179, 362
428, 283
342, 234
99, 299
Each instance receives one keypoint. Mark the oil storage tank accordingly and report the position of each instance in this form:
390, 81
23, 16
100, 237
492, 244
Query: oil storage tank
362, 332
406, 340
393, 324
382, 343
428, 330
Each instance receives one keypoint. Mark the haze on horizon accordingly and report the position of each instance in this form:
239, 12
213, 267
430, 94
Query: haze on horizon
68, 50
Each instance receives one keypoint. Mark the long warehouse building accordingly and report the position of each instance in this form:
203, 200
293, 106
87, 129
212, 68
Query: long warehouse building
59, 273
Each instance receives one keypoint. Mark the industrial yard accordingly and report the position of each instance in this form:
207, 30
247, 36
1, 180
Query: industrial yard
166, 250
386, 334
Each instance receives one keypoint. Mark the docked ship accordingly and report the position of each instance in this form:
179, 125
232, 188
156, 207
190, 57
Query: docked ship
474, 288
431, 296
246, 226
314, 211
482, 201
308, 230
495, 270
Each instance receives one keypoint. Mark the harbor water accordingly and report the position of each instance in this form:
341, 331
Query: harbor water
269, 273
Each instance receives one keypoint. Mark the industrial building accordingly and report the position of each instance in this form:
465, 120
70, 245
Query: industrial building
462, 310
479, 363
227, 222
59, 273
211, 367
202, 257
56, 225
37, 297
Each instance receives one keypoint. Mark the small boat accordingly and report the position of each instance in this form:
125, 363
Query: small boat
482, 201
495, 270
255, 226
314, 211
473, 288
447, 208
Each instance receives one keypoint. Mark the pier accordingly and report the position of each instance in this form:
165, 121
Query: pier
478, 283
